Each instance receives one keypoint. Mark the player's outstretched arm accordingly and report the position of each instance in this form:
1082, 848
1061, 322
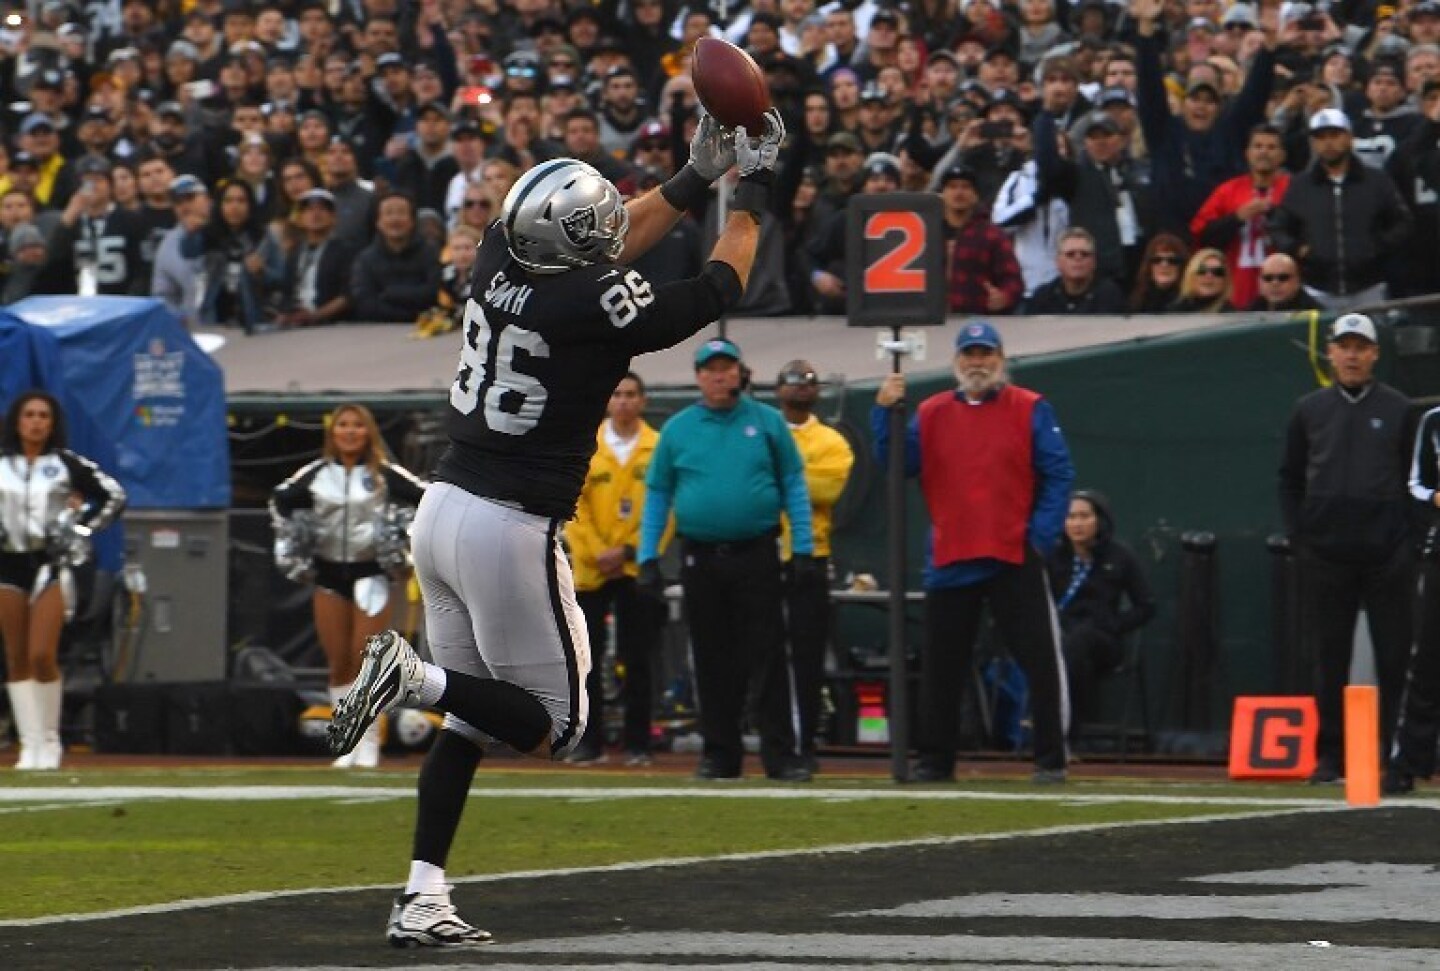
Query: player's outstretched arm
736, 245
712, 152
651, 217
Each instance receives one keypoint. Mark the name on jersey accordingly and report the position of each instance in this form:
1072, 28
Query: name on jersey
507, 296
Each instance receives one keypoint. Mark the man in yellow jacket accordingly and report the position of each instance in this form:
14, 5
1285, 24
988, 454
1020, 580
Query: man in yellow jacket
602, 539
828, 459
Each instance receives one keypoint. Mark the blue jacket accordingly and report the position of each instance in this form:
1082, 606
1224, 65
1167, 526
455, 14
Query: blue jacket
1054, 478
728, 474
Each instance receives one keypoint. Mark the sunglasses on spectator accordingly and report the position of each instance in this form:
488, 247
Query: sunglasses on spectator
1165, 259
1276, 277
650, 146
561, 62
1078, 254
476, 203
799, 378
1211, 271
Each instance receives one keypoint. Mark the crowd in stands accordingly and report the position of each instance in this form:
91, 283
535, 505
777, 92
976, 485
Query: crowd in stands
282, 163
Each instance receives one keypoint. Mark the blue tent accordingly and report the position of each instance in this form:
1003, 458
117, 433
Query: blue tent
130, 365
30, 358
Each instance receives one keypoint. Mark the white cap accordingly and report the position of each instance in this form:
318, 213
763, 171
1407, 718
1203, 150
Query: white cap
1357, 324
1291, 10
1329, 118
1240, 13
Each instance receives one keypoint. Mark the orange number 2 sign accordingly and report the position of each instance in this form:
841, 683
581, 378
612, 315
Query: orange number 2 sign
895, 271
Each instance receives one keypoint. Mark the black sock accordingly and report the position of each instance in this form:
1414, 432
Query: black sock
444, 783
498, 708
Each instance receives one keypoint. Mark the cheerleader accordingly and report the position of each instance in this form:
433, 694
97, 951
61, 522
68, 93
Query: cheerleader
49, 498
346, 492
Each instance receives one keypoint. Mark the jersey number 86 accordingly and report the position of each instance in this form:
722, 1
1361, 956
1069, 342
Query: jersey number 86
514, 400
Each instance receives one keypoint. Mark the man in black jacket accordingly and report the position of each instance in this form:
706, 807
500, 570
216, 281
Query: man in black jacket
1280, 287
1103, 187
315, 288
1340, 219
1078, 289
397, 277
425, 171
1344, 501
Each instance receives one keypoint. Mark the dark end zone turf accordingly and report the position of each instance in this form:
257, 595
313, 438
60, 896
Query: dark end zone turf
806, 895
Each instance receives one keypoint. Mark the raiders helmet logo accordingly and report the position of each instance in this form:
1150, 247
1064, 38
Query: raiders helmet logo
580, 225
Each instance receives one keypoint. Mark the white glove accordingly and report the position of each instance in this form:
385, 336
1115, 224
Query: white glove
754, 155
712, 150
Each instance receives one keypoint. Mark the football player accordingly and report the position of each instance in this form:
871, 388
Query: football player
555, 314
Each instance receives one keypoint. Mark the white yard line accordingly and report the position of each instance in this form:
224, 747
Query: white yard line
264, 793
243, 898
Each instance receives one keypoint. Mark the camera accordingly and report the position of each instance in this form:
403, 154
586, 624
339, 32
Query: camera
1312, 22
996, 129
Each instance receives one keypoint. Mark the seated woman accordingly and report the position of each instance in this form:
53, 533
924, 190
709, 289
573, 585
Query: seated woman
1101, 595
1205, 288
1157, 285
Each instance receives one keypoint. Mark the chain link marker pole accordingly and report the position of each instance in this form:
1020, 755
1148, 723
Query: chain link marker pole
898, 700
895, 277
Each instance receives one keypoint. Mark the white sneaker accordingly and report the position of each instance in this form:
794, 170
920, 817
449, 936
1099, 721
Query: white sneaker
429, 920
390, 674
367, 753
50, 755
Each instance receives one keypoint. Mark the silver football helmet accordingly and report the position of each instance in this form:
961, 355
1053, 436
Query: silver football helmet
562, 214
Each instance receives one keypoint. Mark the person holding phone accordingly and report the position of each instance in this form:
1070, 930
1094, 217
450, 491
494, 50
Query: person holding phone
98, 242
991, 146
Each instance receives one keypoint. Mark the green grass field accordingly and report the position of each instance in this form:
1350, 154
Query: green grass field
129, 848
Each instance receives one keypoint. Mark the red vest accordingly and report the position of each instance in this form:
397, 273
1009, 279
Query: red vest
977, 474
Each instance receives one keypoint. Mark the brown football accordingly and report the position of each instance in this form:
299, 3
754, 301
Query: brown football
730, 84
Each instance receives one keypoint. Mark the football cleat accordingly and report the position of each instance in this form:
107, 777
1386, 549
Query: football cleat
429, 920
390, 674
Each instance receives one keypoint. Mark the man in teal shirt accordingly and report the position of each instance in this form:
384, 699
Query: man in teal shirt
728, 467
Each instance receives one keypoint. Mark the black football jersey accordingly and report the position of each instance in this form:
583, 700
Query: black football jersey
111, 244
156, 223
540, 356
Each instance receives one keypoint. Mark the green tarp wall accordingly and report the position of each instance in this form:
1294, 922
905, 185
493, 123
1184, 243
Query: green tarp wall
1182, 433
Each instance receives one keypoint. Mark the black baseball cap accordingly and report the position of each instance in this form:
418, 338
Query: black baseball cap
962, 173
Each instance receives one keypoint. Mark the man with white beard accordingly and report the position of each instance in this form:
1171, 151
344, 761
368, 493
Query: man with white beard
996, 475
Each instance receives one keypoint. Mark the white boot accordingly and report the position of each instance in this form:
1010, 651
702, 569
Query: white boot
346, 761
367, 752
25, 709
52, 697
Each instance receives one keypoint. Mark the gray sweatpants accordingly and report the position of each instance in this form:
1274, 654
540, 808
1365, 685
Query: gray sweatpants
500, 603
